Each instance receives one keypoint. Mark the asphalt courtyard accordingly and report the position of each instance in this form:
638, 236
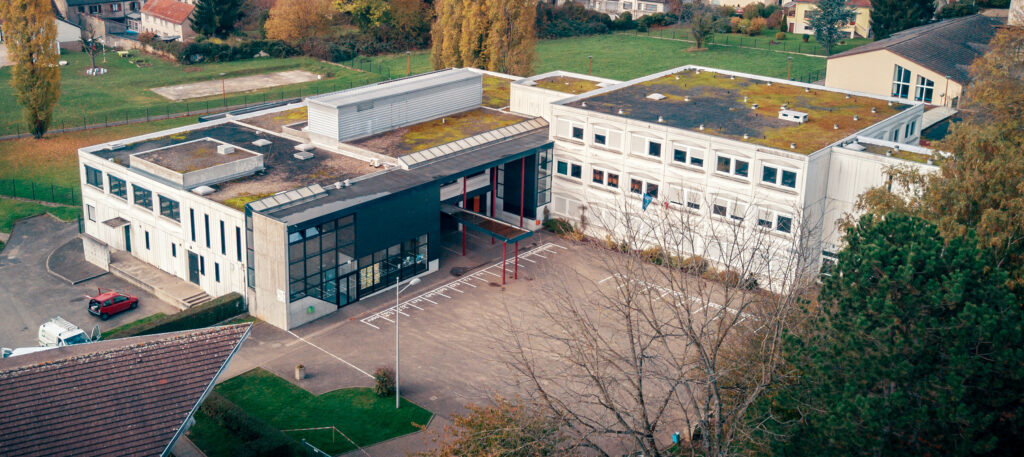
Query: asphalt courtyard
30, 295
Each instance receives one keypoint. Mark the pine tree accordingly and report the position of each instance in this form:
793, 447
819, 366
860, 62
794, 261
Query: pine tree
917, 350
513, 36
216, 18
30, 32
891, 16
827, 25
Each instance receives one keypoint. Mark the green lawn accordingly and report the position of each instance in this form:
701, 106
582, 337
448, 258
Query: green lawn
356, 412
124, 91
12, 210
112, 333
792, 43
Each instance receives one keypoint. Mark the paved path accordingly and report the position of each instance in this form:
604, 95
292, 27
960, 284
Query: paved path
29, 295
936, 115
233, 85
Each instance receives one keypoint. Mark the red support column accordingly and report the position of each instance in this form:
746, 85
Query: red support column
522, 188
503, 246
463, 225
517, 261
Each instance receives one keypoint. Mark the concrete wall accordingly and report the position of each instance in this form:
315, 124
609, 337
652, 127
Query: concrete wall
96, 252
270, 239
873, 72
860, 28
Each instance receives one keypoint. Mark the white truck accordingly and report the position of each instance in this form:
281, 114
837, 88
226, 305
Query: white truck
59, 332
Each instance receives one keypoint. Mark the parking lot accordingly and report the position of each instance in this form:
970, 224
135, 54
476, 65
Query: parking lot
30, 295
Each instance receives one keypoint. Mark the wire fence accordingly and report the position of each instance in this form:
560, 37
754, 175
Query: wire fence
42, 192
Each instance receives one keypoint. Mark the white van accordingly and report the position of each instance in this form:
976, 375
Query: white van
59, 332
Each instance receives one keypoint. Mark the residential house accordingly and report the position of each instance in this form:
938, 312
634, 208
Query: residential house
73, 10
614, 8
925, 64
168, 19
124, 397
800, 12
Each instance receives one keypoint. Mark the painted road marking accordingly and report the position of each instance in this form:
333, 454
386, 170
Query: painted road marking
548, 248
332, 355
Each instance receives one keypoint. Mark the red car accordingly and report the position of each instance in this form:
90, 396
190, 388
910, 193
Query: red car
108, 302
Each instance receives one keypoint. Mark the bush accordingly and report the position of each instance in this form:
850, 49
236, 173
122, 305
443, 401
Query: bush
212, 312
384, 382
957, 9
722, 25
570, 19
624, 22
653, 254
147, 37
559, 226
696, 265
735, 24
656, 19
752, 10
757, 25
260, 438
775, 19
783, 24
780, 36
805, 37
209, 51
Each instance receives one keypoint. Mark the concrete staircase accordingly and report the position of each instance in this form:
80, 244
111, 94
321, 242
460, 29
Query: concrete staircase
165, 286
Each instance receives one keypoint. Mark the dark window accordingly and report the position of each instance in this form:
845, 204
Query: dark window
216, 272
724, 164
562, 168
223, 243
544, 177
718, 210
784, 224
118, 188
769, 174
174, 250
742, 168
613, 180
577, 171
654, 149
901, 82
238, 243
93, 177
697, 161
169, 208
925, 88
600, 139
147, 240
202, 265
789, 179
598, 176
636, 186
652, 190
142, 197
192, 222
577, 132
764, 223
679, 155
206, 224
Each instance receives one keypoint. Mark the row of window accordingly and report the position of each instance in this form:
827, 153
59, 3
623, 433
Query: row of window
924, 89
770, 174
733, 210
169, 207
114, 8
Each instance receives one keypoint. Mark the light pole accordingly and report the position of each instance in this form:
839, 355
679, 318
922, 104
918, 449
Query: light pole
408, 63
398, 398
590, 60
223, 91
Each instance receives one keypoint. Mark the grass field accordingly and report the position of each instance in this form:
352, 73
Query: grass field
121, 328
357, 412
792, 43
124, 91
12, 210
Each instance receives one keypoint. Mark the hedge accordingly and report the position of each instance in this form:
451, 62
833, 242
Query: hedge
217, 310
206, 51
261, 439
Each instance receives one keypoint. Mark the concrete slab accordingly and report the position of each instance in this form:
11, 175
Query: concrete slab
233, 85
4, 60
68, 262
170, 288
29, 295
936, 115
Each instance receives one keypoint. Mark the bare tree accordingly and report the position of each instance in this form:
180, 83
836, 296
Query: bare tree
678, 337
91, 43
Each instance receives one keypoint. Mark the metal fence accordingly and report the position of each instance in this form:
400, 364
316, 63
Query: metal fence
42, 192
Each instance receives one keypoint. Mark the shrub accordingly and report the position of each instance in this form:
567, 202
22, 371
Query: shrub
656, 19
696, 265
805, 37
752, 10
212, 312
742, 26
783, 25
570, 19
260, 438
209, 51
757, 24
146, 37
653, 254
775, 18
624, 22
735, 24
780, 36
722, 25
559, 226
384, 382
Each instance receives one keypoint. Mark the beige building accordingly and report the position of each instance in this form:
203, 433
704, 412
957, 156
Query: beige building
800, 12
925, 64
168, 19
636, 8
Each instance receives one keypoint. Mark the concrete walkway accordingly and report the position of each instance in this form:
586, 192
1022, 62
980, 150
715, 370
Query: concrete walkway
184, 447
936, 115
233, 85
168, 287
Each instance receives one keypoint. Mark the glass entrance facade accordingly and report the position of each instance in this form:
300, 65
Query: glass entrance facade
397, 262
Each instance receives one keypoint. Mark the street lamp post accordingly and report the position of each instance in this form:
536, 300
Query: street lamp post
398, 376
223, 91
590, 60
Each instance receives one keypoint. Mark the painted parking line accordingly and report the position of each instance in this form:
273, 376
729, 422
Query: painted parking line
692, 299
325, 351
445, 290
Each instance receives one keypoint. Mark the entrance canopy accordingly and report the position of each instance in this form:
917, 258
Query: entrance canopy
501, 230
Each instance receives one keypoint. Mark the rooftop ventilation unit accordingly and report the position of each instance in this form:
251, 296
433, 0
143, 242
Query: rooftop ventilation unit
855, 147
376, 163
260, 142
793, 116
225, 149
203, 190
656, 96
304, 147
304, 155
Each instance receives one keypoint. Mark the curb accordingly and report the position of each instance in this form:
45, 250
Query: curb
73, 283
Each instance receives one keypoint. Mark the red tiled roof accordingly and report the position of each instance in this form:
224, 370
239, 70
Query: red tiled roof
170, 10
126, 397
851, 3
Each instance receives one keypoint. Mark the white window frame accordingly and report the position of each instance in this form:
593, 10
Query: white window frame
572, 130
911, 130
568, 169
900, 82
778, 176
924, 85
894, 135
772, 217
732, 165
602, 132
604, 178
90, 212
690, 151
645, 186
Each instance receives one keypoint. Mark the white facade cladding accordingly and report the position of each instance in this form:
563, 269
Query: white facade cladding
605, 164
376, 108
527, 98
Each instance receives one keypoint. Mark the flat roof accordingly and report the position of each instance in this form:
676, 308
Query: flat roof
435, 132
567, 84
393, 87
723, 103
282, 171
275, 120
497, 91
193, 156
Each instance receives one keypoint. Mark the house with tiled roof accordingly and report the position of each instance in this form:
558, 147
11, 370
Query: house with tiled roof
800, 12
74, 10
168, 19
926, 64
123, 397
